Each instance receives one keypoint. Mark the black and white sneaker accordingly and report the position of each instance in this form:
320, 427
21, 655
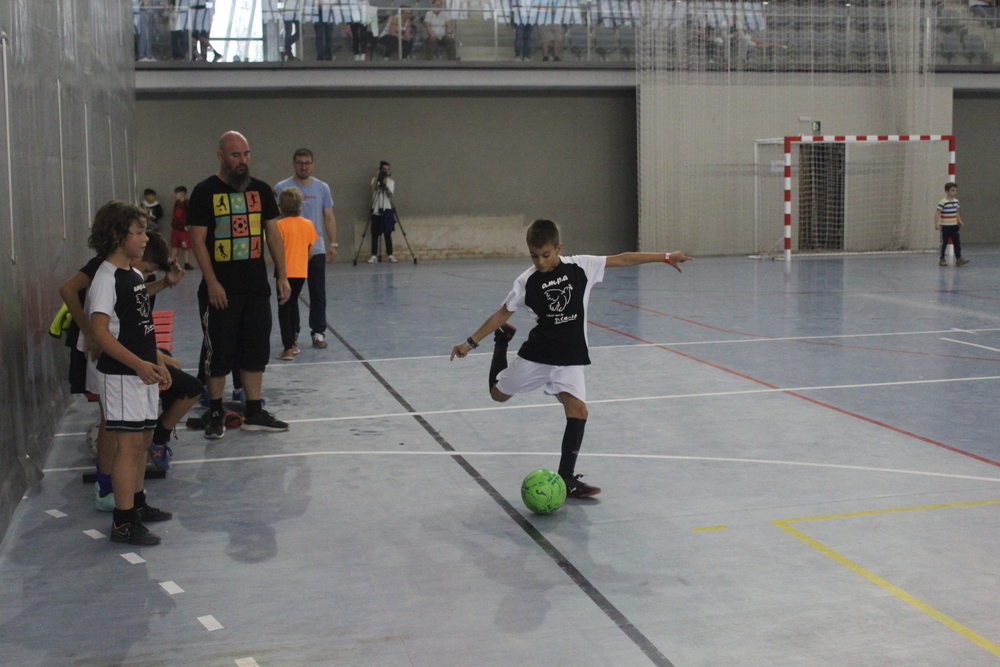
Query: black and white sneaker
577, 489
151, 514
505, 333
263, 421
133, 533
215, 428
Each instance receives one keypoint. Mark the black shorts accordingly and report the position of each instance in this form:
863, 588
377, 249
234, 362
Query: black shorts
239, 334
77, 371
182, 385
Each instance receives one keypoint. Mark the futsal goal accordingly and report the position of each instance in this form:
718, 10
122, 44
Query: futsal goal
848, 194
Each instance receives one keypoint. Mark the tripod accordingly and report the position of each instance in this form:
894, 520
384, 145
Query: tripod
368, 226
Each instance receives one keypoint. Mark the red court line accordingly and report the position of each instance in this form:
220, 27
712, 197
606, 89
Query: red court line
807, 398
807, 342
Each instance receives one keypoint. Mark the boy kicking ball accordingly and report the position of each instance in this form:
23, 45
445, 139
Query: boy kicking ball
556, 291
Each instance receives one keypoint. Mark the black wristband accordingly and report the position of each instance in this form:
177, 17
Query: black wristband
471, 343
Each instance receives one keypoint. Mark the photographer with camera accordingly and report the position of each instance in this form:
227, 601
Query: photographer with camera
383, 216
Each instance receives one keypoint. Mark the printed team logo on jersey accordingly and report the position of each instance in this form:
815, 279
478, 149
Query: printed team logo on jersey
142, 303
241, 226
559, 298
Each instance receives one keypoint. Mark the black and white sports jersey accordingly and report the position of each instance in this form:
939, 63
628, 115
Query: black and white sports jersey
558, 300
121, 295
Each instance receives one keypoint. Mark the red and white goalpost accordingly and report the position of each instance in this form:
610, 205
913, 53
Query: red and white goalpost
855, 193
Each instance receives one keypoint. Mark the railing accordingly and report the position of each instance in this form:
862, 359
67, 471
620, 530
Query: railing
724, 35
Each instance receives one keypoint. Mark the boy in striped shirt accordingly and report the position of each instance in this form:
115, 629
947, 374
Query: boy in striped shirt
947, 219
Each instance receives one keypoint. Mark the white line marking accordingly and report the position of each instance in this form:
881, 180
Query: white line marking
66, 435
962, 342
210, 623
56, 513
246, 662
968, 331
171, 587
133, 558
96, 534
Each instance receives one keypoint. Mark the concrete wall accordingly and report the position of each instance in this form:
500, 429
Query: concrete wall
977, 132
697, 143
471, 169
71, 148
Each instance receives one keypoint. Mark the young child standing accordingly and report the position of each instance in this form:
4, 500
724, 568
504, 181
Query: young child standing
299, 235
556, 291
180, 234
947, 219
153, 209
129, 366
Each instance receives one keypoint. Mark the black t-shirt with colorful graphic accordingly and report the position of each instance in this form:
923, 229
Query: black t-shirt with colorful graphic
558, 300
235, 239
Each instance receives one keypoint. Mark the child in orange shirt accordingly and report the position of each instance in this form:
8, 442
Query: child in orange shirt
299, 235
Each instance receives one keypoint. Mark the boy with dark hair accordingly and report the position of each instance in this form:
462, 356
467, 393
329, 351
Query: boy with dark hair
153, 210
556, 290
180, 235
947, 219
129, 367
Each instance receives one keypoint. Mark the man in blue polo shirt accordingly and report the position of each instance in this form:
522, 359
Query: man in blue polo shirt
317, 206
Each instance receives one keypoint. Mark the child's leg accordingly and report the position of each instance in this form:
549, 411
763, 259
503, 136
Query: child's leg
130, 458
576, 422
501, 339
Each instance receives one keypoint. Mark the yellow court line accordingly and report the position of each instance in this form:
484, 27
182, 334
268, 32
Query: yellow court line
700, 530
879, 581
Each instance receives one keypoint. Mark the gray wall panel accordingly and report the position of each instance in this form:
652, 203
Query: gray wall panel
79, 51
977, 134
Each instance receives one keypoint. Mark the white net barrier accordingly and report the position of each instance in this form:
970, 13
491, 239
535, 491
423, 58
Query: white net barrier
849, 196
715, 77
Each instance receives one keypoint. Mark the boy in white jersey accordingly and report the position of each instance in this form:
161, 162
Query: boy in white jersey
947, 219
129, 369
556, 291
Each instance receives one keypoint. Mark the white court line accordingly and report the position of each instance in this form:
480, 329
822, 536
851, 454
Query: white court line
55, 513
656, 457
171, 587
210, 623
664, 397
962, 342
96, 534
246, 662
133, 558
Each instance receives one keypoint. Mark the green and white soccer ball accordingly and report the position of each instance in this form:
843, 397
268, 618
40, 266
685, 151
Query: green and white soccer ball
543, 491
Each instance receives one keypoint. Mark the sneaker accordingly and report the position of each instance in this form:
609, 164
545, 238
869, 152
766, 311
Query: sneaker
296, 351
577, 489
942, 263
286, 355
263, 421
319, 341
215, 428
103, 503
151, 514
504, 333
372, 259
392, 259
188, 267
961, 261
92, 435
238, 395
159, 456
133, 533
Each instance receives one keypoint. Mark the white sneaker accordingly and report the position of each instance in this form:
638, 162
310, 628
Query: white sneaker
372, 259
392, 259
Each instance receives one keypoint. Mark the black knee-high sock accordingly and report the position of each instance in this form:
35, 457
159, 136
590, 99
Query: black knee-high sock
572, 439
161, 434
499, 359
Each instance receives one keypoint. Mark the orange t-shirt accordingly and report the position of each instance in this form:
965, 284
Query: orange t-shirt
299, 236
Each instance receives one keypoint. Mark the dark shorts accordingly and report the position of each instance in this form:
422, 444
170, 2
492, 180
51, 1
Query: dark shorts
182, 385
180, 239
239, 334
77, 371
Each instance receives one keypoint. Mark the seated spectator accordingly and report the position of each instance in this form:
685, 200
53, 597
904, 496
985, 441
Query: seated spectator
440, 32
985, 9
394, 32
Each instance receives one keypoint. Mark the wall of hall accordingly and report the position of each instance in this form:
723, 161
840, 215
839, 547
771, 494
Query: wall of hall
70, 86
471, 169
977, 134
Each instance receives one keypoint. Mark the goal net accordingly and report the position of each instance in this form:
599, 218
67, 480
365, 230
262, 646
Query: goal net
848, 194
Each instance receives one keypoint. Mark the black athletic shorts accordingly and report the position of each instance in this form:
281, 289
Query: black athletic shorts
182, 385
77, 371
241, 333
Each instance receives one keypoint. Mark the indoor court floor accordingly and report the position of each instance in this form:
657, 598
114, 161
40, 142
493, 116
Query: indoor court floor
798, 467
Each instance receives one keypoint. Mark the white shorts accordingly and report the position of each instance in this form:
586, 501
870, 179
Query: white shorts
94, 376
523, 376
129, 403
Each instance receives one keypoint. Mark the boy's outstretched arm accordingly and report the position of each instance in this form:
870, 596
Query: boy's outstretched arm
674, 259
494, 322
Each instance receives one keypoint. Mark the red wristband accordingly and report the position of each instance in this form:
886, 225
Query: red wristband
666, 257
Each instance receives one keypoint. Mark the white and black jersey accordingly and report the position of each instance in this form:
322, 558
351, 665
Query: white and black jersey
121, 295
558, 300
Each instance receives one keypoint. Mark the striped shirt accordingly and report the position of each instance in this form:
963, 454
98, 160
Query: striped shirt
949, 211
